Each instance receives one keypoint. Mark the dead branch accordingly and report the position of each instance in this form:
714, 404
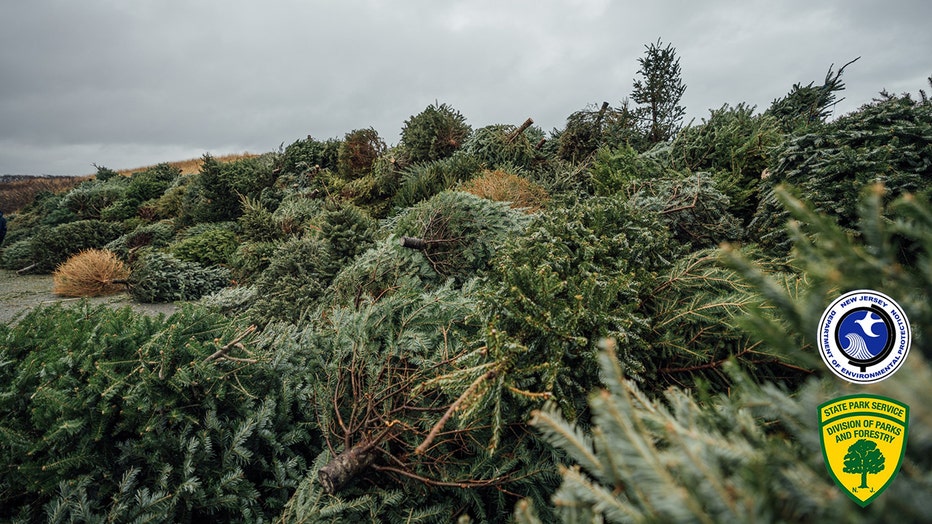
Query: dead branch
690, 206
453, 407
26, 269
233, 343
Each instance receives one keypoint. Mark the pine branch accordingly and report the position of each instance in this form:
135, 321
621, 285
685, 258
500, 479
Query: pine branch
221, 353
452, 409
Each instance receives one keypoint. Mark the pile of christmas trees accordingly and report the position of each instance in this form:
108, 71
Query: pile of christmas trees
611, 321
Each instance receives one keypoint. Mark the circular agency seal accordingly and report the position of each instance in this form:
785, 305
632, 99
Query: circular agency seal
864, 336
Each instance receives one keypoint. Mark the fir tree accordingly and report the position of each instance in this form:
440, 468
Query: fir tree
658, 92
434, 133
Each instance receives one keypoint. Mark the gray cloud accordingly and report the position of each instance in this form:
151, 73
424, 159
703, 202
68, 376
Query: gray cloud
125, 84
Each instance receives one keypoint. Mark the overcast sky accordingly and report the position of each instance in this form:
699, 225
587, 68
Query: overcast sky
126, 83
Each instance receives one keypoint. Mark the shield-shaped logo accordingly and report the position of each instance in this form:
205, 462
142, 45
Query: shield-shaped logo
863, 442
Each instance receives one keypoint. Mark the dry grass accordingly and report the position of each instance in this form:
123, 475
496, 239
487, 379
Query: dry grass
17, 193
506, 187
192, 165
90, 273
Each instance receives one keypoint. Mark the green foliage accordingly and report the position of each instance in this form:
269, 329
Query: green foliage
52, 246
311, 504
257, 223
805, 107
889, 141
123, 209
616, 169
89, 199
304, 155
658, 92
577, 275
410, 367
422, 181
376, 191
230, 301
44, 210
461, 231
348, 229
250, 176
296, 213
497, 146
160, 277
434, 133
151, 183
379, 272
562, 178
406, 339
290, 288
156, 235
676, 460
105, 173
210, 196
111, 416
889, 251
358, 151
737, 146
695, 309
16, 255
694, 210
250, 259
213, 195
753, 455
588, 130
212, 247
172, 202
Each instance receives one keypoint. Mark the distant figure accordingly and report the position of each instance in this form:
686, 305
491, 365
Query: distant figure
2, 227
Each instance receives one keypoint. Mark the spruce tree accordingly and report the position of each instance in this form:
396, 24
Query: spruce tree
658, 92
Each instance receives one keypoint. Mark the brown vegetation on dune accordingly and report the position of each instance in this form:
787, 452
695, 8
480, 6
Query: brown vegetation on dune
18, 192
90, 273
192, 165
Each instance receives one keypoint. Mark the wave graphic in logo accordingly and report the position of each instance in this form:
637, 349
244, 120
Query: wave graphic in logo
857, 349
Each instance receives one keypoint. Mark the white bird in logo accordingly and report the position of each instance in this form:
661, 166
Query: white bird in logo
867, 324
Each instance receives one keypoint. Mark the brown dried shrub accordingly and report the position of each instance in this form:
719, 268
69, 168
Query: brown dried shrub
90, 273
502, 186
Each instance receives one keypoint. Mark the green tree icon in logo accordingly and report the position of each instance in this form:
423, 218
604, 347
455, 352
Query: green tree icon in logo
863, 457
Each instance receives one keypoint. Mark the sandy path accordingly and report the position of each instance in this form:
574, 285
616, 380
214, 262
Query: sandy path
21, 293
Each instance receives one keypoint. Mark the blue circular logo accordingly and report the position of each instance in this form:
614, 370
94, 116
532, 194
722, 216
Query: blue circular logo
864, 336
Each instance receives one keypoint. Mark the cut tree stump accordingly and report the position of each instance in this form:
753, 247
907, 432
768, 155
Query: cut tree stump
342, 468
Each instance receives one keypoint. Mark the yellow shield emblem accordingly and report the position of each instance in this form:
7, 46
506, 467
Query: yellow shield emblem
863, 442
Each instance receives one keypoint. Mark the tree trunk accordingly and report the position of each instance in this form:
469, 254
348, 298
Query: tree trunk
527, 123
342, 468
600, 116
863, 480
413, 243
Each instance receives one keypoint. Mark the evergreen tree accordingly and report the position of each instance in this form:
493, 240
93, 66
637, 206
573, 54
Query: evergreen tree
658, 92
434, 133
358, 151
753, 455
809, 105
113, 416
886, 141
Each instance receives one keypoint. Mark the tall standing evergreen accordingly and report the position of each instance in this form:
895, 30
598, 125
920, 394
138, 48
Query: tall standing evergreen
658, 92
